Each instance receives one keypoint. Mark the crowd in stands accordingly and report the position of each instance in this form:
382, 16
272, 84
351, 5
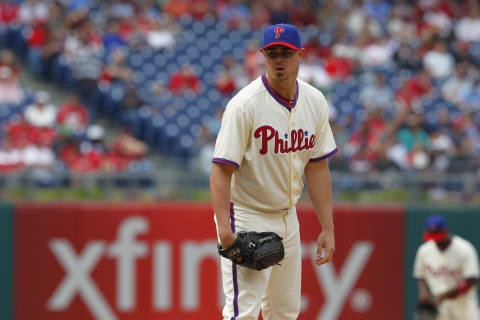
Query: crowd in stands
402, 77
44, 135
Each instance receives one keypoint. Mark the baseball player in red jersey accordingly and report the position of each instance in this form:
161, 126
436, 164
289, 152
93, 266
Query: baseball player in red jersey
446, 267
273, 131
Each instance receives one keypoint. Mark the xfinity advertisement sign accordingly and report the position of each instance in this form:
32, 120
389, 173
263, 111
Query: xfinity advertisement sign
132, 265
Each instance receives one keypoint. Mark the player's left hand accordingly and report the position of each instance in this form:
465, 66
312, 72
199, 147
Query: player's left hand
326, 244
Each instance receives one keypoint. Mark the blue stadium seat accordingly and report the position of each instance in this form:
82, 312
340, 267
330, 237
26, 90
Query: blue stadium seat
226, 45
153, 130
159, 60
190, 37
139, 78
183, 120
209, 21
199, 27
135, 60
212, 36
172, 68
196, 129
149, 69
193, 111
186, 21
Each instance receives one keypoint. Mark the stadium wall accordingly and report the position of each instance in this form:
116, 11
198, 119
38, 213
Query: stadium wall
6, 258
158, 261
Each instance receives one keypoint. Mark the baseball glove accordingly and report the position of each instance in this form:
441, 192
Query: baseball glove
425, 311
257, 250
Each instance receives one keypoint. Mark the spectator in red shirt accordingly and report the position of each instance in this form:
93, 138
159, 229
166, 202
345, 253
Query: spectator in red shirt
199, 8
126, 149
185, 80
8, 12
227, 80
367, 139
304, 14
413, 89
177, 8
20, 133
89, 155
36, 40
225, 83
314, 47
253, 61
72, 116
117, 69
260, 15
338, 68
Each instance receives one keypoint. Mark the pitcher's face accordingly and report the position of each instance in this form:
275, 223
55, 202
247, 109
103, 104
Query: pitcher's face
282, 62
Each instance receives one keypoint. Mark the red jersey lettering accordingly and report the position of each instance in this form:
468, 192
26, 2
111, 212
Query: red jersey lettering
298, 140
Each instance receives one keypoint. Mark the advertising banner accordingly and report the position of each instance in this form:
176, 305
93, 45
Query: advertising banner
364, 280
131, 261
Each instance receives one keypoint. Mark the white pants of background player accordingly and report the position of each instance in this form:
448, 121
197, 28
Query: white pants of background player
462, 308
275, 290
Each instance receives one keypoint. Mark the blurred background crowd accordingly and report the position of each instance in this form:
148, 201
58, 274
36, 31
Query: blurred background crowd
148, 79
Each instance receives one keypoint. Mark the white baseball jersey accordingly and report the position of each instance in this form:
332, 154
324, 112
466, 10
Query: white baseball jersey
444, 270
270, 141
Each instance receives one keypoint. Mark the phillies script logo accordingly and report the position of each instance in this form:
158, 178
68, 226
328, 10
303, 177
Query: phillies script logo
442, 271
127, 250
299, 140
278, 31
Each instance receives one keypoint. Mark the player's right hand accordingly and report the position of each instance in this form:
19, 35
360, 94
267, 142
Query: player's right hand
325, 245
426, 298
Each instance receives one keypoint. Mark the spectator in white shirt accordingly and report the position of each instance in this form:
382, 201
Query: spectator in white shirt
459, 86
312, 71
10, 89
377, 95
41, 113
378, 52
33, 10
38, 156
467, 28
439, 61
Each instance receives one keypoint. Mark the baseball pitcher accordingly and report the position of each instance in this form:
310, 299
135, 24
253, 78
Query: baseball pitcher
273, 131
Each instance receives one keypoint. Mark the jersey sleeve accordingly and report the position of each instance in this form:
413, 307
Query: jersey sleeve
418, 266
470, 266
324, 142
233, 137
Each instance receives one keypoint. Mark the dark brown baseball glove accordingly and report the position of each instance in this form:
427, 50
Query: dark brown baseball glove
425, 311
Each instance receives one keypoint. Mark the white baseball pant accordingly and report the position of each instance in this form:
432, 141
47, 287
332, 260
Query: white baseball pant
462, 308
275, 290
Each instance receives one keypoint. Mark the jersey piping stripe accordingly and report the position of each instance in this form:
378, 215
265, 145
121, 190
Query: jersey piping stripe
234, 268
325, 156
232, 218
275, 96
221, 160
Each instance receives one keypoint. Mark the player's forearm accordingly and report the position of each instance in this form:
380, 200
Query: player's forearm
320, 190
220, 182
424, 294
462, 287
